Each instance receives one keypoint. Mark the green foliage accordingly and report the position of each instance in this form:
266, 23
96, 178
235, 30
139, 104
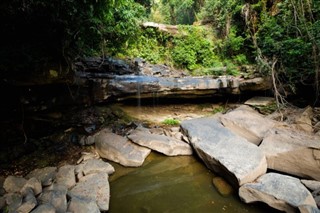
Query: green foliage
40, 33
221, 14
282, 32
218, 109
150, 45
193, 49
175, 11
268, 109
290, 35
171, 122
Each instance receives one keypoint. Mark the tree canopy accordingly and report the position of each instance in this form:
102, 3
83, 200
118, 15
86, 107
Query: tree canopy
37, 33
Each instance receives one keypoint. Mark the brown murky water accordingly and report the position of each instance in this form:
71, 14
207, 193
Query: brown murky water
172, 184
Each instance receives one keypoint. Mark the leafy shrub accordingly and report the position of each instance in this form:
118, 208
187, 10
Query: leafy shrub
219, 109
171, 122
193, 50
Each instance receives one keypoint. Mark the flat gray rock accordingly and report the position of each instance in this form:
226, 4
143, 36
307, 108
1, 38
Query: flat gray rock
93, 187
248, 123
281, 192
293, 152
119, 149
160, 143
238, 160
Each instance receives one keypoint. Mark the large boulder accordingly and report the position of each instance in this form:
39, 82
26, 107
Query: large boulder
119, 149
280, 192
247, 123
93, 188
293, 152
224, 152
160, 143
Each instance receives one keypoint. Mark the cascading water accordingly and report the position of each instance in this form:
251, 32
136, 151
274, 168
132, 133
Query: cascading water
138, 96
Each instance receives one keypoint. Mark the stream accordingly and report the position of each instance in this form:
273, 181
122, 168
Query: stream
171, 184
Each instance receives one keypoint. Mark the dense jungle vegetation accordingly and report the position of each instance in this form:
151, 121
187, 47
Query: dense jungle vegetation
280, 37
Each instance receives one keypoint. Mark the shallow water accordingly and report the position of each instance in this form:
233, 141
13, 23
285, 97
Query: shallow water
171, 184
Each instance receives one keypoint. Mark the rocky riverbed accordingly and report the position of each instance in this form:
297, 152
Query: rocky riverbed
241, 145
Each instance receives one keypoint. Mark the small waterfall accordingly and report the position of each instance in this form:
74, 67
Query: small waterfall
138, 94
155, 99
138, 97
